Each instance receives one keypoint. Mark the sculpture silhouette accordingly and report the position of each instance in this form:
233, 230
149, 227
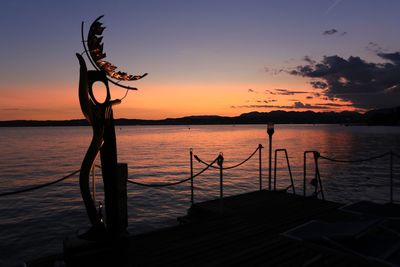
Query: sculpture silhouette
100, 116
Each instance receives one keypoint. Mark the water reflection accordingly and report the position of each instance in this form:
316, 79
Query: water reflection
161, 153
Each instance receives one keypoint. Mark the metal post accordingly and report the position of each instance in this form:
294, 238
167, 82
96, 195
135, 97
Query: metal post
270, 131
275, 159
94, 183
391, 177
290, 172
318, 177
304, 172
221, 178
270, 161
259, 158
191, 178
122, 197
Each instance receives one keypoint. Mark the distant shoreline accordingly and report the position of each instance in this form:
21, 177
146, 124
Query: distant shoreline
387, 117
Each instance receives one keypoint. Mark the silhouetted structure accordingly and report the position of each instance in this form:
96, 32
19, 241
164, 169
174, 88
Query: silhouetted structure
100, 117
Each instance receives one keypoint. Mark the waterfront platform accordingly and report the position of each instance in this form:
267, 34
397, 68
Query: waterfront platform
262, 228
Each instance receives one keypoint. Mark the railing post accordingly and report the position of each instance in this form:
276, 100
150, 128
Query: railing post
94, 184
221, 178
260, 147
270, 131
391, 177
290, 172
304, 173
275, 160
191, 178
318, 177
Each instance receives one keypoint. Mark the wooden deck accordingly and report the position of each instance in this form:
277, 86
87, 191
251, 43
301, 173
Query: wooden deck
243, 230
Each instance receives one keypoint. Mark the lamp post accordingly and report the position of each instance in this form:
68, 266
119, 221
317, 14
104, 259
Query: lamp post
270, 131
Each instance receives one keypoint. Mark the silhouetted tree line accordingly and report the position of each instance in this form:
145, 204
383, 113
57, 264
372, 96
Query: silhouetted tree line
374, 117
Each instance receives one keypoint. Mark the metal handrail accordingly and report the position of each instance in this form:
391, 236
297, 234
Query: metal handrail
317, 178
289, 169
390, 153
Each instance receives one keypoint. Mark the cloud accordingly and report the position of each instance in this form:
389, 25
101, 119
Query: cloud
333, 5
374, 47
273, 71
333, 105
250, 91
280, 91
330, 32
309, 97
309, 60
333, 31
10, 109
299, 104
367, 85
319, 84
296, 105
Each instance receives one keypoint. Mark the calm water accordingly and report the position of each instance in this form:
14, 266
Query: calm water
34, 224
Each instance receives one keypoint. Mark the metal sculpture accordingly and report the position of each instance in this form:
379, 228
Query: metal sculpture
100, 117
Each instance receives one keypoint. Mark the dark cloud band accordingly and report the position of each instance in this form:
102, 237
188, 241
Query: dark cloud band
366, 84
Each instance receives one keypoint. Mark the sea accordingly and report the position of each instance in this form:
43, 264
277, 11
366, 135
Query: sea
34, 224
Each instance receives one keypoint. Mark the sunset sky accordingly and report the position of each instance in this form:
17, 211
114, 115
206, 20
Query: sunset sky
204, 57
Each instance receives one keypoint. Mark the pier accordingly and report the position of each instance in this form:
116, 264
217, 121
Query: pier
268, 227
251, 229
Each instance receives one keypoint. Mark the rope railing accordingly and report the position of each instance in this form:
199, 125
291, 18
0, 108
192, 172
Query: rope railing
357, 160
233, 166
39, 186
174, 183
317, 180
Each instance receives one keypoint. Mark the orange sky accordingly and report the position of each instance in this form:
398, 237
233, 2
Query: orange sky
154, 101
203, 57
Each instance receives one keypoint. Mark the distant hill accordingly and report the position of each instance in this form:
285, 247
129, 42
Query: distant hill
373, 117
387, 116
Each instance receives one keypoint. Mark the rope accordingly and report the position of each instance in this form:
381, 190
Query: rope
39, 186
174, 183
354, 161
230, 167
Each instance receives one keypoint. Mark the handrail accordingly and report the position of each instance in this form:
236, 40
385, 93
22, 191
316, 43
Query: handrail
317, 177
390, 153
288, 165
355, 161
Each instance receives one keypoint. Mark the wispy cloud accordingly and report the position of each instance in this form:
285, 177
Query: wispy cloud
330, 32
10, 109
333, 5
296, 105
281, 91
333, 31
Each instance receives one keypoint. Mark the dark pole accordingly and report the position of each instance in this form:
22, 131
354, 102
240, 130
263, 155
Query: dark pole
270, 131
191, 177
221, 179
391, 177
260, 166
